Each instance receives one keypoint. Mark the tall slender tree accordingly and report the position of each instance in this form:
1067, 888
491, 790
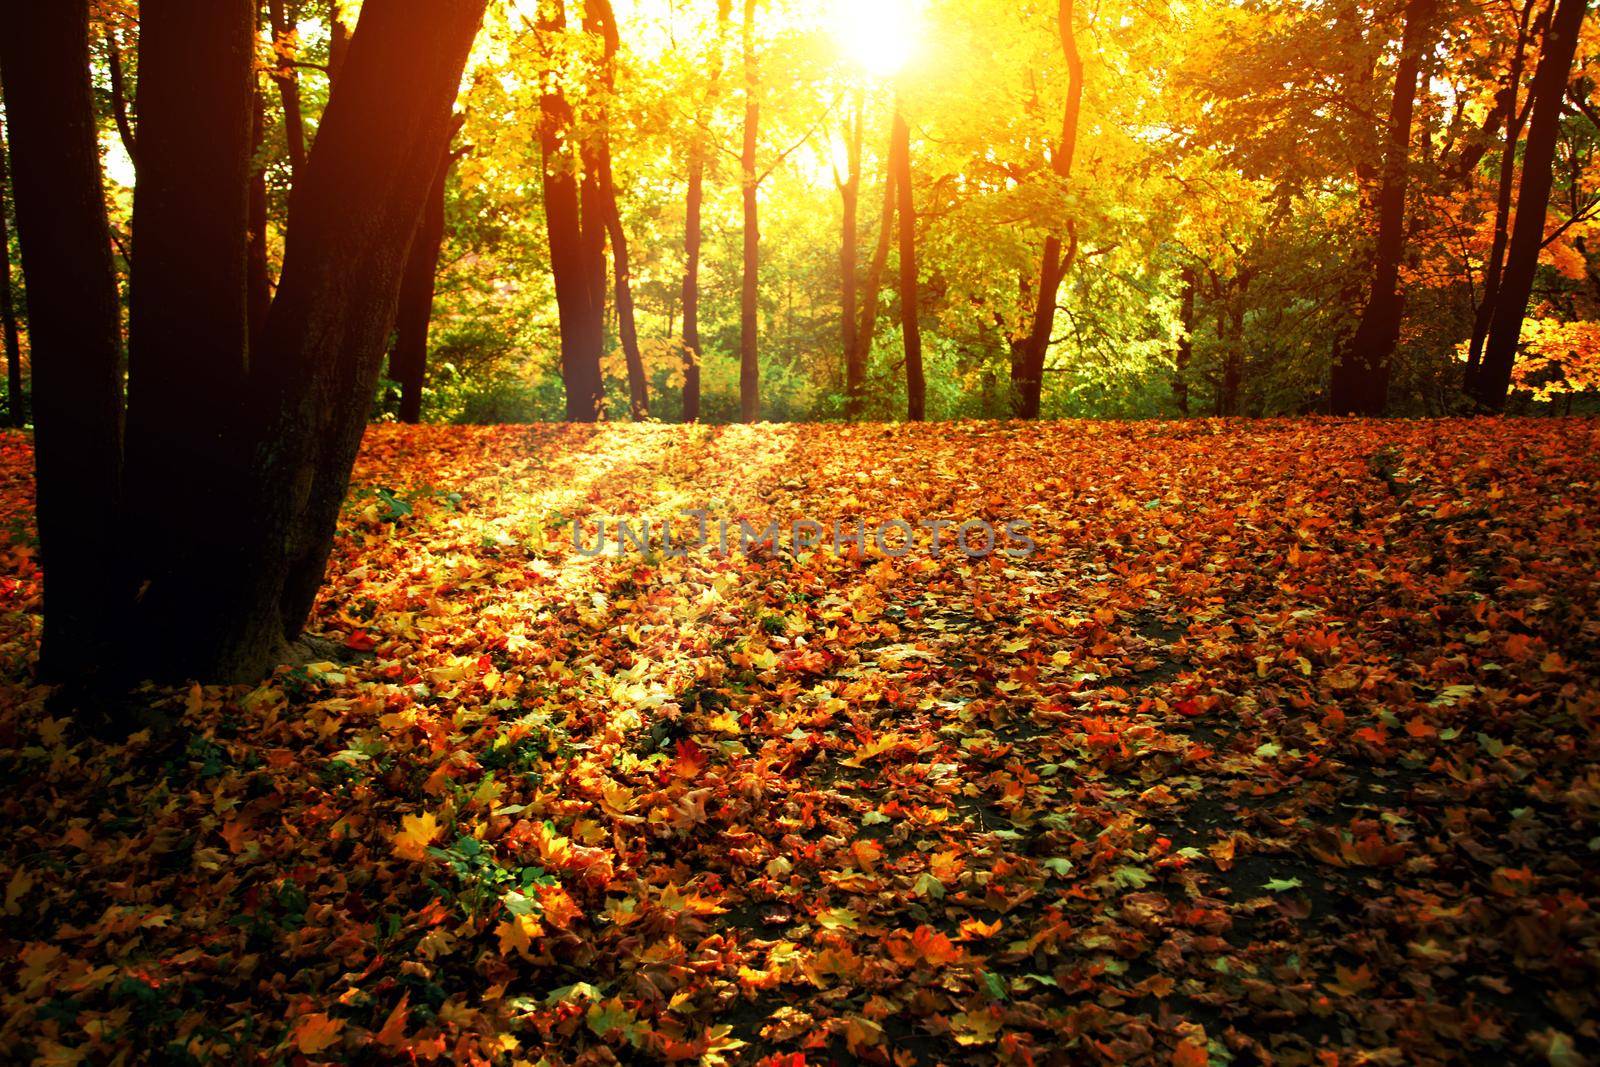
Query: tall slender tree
1029, 350
1493, 380
910, 303
571, 259
73, 323
849, 185
872, 287
408, 363
600, 20
750, 292
16, 407
1361, 367
694, 206
283, 18
1185, 353
1515, 116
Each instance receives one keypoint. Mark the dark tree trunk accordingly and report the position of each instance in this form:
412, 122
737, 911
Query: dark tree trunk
749, 301
258, 264
73, 325
569, 264
408, 364
1028, 352
119, 96
694, 204
1230, 327
1361, 369
627, 327
189, 321
1185, 354
601, 20
1493, 379
910, 304
16, 409
1514, 118
871, 290
351, 224
855, 364
288, 82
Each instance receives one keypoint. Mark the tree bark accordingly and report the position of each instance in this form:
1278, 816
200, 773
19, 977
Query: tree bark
258, 264
694, 203
73, 325
1361, 370
379, 144
408, 364
872, 289
119, 96
602, 21
1514, 118
189, 321
1549, 88
749, 301
569, 263
16, 408
288, 83
1185, 354
855, 376
910, 304
1028, 352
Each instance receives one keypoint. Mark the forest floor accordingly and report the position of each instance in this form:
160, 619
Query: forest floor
1284, 746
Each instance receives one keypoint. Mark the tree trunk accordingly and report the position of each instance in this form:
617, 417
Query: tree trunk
288, 82
258, 264
119, 96
855, 377
1527, 237
189, 321
749, 302
1185, 354
692, 231
1028, 352
601, 20
1514, 117
910, 304
569, 264
1360, 382
408, 364
73, 325
16, 409
378, 147
872, 289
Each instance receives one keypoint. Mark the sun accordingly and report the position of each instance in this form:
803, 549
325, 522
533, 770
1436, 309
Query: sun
880, 35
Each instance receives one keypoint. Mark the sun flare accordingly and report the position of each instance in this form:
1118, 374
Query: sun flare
880, 35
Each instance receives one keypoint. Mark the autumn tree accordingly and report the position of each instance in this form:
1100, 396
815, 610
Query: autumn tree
16, 410
749, 184
910, 302
250, 543
579, 301
1360, 383
694, 206
1029, 350
408, 362
1548, 93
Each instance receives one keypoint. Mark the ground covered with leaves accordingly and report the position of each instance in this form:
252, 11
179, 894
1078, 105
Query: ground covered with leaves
1283, 747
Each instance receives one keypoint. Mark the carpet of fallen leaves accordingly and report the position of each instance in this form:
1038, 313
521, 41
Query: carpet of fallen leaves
1284, 747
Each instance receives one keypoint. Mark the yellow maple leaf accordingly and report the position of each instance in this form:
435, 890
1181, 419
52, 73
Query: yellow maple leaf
416, 833
315, 1032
